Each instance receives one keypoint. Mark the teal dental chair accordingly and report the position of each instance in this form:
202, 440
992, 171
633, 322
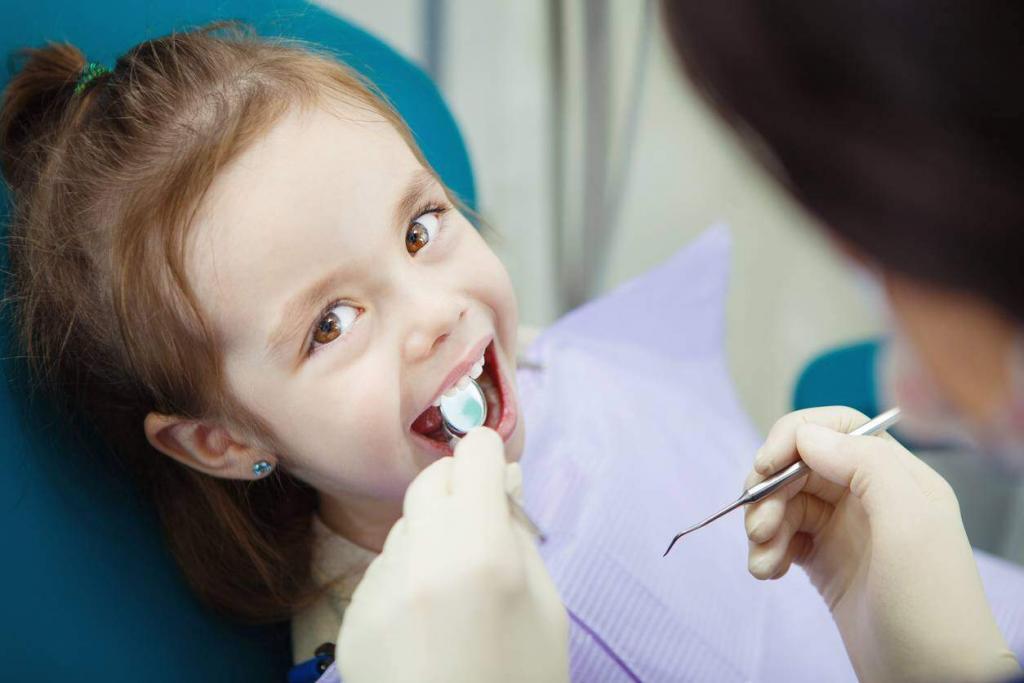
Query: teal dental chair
846, 375
90, 593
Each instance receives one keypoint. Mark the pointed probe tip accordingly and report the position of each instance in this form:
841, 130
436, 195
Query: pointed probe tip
667, 550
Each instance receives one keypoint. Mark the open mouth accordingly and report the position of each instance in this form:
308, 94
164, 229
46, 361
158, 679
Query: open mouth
428, 429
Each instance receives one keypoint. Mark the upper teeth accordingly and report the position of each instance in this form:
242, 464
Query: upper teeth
474, 373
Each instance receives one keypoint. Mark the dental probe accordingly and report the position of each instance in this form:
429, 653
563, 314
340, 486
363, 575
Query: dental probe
794, 471
464, 410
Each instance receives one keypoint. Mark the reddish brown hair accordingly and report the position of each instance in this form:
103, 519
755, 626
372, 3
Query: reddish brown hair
105, 182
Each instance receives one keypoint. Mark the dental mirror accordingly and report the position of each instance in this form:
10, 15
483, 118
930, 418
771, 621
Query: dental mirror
466, 409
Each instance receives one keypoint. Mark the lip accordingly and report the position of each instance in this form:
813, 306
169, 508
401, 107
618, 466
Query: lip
509, 418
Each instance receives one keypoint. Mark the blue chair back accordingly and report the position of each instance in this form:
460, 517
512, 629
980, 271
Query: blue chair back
845, 375
90, 592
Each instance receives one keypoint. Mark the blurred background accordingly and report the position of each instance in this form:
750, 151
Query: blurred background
595, 160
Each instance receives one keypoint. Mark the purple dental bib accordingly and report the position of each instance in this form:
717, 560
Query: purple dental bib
634, 432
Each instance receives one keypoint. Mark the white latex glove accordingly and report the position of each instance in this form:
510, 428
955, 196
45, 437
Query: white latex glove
880, 535
459, 593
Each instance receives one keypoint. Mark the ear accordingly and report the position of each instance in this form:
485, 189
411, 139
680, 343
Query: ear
204, 446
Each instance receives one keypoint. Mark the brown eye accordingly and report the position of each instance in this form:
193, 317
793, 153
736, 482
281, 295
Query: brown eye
422, 231
416, 238
338, 321
327, 330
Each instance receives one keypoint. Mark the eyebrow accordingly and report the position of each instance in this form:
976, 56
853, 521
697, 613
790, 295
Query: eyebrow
421, 181
296, 311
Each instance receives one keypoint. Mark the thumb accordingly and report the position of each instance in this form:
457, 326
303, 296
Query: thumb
868, 466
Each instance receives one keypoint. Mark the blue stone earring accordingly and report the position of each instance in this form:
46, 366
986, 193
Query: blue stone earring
262, 468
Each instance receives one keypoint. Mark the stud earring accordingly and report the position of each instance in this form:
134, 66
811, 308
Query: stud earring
262, 468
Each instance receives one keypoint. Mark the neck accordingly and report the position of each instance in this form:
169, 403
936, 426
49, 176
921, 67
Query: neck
364, 521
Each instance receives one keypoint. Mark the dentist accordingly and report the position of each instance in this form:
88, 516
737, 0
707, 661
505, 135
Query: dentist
899, 126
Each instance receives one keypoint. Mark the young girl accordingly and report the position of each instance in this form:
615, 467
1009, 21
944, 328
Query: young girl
230, 254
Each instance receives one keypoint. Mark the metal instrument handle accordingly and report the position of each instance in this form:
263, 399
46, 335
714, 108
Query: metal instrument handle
800, 468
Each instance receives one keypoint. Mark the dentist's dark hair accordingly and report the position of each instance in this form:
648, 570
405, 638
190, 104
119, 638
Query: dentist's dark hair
899, 125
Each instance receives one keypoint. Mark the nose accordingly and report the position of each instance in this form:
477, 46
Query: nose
433, 319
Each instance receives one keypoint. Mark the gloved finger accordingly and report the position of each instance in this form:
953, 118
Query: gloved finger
395, 537
798, 549
762, 519
371, 577
514, 481
779, 448
537, 576
812, 483
429, 487
871, 468
394, 552
753, 477
930, 481
478, 474
380, 572
805, 514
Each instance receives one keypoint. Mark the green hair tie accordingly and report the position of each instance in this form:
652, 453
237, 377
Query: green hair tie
90, 73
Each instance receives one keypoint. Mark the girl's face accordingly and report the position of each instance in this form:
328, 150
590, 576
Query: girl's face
348, 294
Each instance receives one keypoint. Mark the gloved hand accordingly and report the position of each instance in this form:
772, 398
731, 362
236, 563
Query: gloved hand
880, 535
459, 593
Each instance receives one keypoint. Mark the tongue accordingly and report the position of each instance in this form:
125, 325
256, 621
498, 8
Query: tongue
429, 422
